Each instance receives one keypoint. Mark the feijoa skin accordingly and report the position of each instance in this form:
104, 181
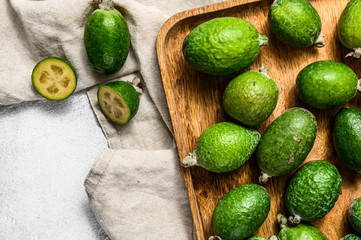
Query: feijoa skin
223, 46
286, 143
326, 84
347, 137
256, 238
106, 39
298, 232
241, 212
351, 236
251, 97
313, 191
223, 147
349, 28
354, 214
296, 23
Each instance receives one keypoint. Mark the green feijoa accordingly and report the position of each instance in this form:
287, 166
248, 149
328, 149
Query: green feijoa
241, 212
119, 101
313, 191
106, 39
354, 214
296, 23
251, 97
298, 232
326, 84
223, 46
223, 147
351, 237
256, 238
349, 28
347, 137
286, 143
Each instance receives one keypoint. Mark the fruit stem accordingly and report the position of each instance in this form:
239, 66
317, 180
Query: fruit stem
214, 238
294, 220
320, 42
272, 238
355, 54
189, 161
264, 177
137, 84
106, 4
282, 221
263, 40
264, 70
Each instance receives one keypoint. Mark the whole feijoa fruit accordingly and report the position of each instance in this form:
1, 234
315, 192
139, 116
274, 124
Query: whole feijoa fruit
223, 147
313, 191
326, 84
349, 28
223, 46
286, 143
256, 238
298, 232
347, 137
241, 212
251, 97
354, 214
351, 236
296, 23
106, 39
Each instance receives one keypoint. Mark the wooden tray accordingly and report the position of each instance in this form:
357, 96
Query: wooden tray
194, 101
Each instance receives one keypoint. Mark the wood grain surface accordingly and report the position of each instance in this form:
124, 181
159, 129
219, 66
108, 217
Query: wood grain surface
194, 101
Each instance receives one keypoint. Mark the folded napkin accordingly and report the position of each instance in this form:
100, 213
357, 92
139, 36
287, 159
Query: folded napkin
135, 188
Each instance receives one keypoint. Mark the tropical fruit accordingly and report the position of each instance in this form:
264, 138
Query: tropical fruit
54, 78
296, 23
313, 191
241, 212
223, 147
286, 143
354, 214
223, 46
351, 237
251, 97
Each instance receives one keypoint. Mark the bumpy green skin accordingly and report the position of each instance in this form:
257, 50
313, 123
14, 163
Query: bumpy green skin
347, 137
256, 238
354, 214
351, 237
295, 22
301, 232
313, 190
225, 147
286, 142
222, 46
241, 212
107, 41
128, 93
326, 84
349, 25
250, 98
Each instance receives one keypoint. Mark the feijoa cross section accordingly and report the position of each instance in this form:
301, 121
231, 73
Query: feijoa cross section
296, 23
106, 39
349, 28
326, 84
223, 46
54, 78
223, 147
119, 101
286, 143
313, 191
347, 137
251, 97
241, 212
299, 232
354, 214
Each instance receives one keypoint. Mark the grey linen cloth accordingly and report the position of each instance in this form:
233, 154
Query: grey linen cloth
135, 188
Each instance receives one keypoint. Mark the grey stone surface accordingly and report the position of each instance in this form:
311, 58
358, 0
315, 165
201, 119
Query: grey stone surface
46, 150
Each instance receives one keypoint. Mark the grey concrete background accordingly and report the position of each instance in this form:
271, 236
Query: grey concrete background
46, 151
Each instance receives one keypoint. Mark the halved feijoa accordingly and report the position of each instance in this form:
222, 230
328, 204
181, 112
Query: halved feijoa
119, 101
54, 78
